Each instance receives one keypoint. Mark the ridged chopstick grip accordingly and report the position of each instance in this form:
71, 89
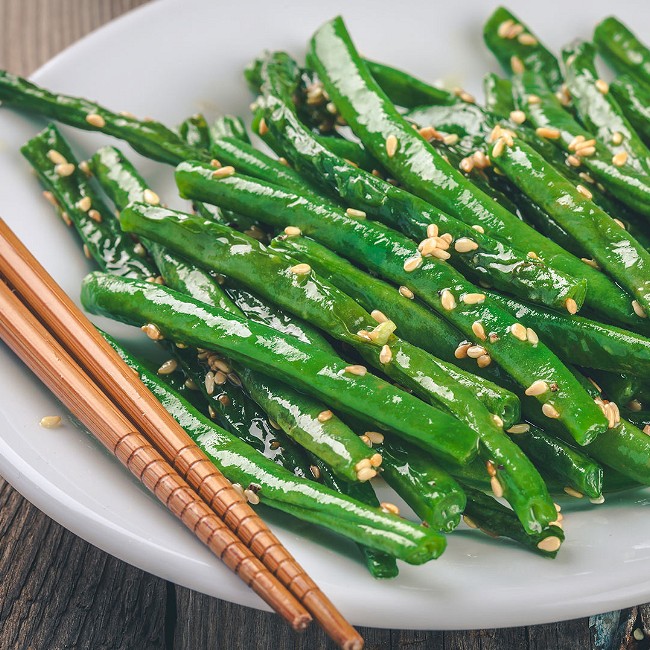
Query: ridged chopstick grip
57, 370
116, 379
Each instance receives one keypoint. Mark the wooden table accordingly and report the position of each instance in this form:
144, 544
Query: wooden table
57, 591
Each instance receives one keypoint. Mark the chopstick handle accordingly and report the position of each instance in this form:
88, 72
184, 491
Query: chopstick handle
50, 362
81, 339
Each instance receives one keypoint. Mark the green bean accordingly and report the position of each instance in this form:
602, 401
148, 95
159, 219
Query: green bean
228, 126
634, 100
498, 95
195, 132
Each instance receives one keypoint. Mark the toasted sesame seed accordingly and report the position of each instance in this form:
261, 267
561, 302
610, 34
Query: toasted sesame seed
432, 230
538, 387
95, 215
315, 471
96, 120
84, 204
366, 473
519, 428
638, 310
527, 39
646, 429
150, 197
584, 144
223, 172
64, 169
168, 367
575, 142
484, 361
548, 132
389, 507
406, 292
617, 138
533, 99
234, 379
497, 490
461, 351
602, 86
209, 383
504, 28
584, 191
619, 159
479, 330
386, 354
518, 117
466, 165
375, 437
324, 416
473, 298
550, 411
379, 316
356, 370
429, 133
573, 493
447, 300
220, 364
490, 468
638, 634
498, 147
300, 269
238, 488
391, 145
56, 158
283, 161
574, 161
586, 151
571, 306
469, 522
50, 198
440, 254
634, 405
550, 544
479, 229
224, 399
450, 139
365, 440
517, 65
515, 30
215, 163
355, 214
465, 245
412, 263
87, 251
531, 335
476, 351
262, 129
619, 223
152, 332
497, 420
251, 497
376, 460
292, 231
50, 421
190, 384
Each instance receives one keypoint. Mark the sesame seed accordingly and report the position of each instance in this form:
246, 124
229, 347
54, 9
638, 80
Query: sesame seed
56, 158
223, 172
590, 262
292, 231
466, 165
484, 361
152, 332
127, 114
586, 151
638, 634
574, 161
50, 421
64, 169
366, 474
379, 316
262, 128
429, 133
168, 367
224, 399
476, 351
516, 64
497, 490
447, 300
533, 99
96, 120
190, 384
440, 254
602, 86
638, 310
479, 330
251, 497
150, 197
620, 223
497, 150
634, 405
646, 429
465, 245
389, 507
432, 230
365, 440
550, 411
584, 191
315, 471
550, 544
300, 269
519, 428
571, 306
283, 161
406, 292
504, 28
490, 468
209, 383
385, 355
532, 255
573, 493
481, 161
215, 163
450, 139
527, 39
355, 214
617, 138
87, 251
619, 159
469, 522
518, 117
473, 298
531, 335
479, 229
515, 30
538, 387
356, 370
220, 364
234, 379
324, 416
50, 198
412, 263
376, 460
391, 145
95, 215
548, 132
376, 437
84, 204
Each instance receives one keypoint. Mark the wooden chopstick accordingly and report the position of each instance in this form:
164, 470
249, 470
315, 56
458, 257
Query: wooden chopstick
77, 334
42, 353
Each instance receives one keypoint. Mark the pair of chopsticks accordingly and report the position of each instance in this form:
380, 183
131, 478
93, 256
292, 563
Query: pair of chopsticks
40, 323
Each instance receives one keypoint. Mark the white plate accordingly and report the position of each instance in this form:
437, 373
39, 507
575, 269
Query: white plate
171, 59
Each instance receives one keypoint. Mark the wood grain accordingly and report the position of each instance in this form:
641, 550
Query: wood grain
57, 591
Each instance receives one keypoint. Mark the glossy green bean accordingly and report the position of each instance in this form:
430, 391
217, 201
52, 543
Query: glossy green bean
634, 100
